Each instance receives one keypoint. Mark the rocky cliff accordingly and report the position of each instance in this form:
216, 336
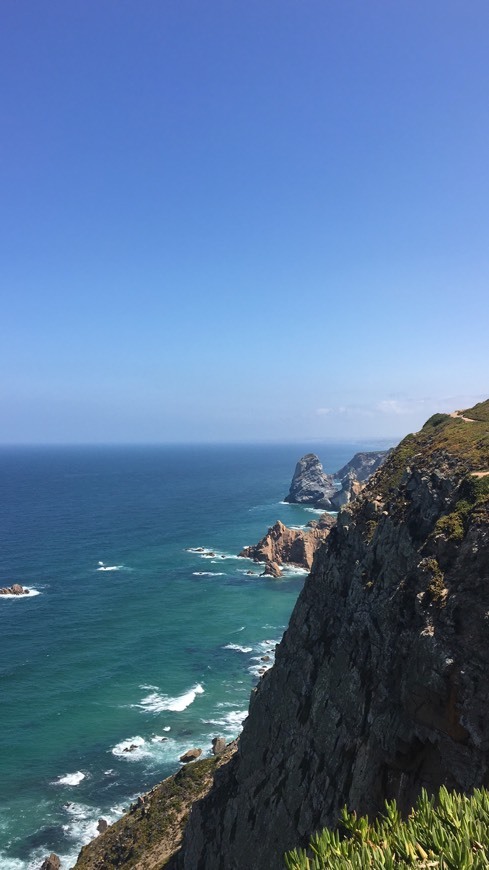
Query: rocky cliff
363, 465
381, 682
310, 485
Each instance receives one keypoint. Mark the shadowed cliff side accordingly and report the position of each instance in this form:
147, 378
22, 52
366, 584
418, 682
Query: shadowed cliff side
381, 682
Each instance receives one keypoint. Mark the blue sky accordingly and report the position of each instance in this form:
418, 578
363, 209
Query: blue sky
241, 220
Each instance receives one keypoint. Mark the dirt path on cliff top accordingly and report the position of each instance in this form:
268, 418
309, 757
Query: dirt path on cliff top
460, 416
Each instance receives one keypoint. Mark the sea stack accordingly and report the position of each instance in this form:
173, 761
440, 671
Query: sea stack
310, 485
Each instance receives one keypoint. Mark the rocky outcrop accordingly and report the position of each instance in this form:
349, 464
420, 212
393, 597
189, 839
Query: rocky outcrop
15, 589
363, 465
147, 836
218, 745
190, 755
381, 682
310, 485
350, 489
282, 545
51, 863
272, 569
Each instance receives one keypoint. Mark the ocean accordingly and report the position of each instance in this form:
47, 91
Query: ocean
135, 645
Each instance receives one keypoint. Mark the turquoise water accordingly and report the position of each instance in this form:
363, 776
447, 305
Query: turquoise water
132, 637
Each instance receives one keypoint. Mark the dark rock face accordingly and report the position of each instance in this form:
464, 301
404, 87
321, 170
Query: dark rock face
381, 683
363, 465
51, 863
310, 485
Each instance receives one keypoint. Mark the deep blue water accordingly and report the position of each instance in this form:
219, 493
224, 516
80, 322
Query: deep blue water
165, 644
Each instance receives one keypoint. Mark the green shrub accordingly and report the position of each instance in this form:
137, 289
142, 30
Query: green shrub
472, 504
451, 834
435, 420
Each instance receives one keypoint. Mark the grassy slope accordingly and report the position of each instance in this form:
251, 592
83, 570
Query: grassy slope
441, 437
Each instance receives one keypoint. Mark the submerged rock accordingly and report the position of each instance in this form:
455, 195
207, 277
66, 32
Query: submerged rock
310, 485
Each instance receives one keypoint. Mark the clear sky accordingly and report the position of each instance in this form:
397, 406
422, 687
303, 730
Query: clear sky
241, 219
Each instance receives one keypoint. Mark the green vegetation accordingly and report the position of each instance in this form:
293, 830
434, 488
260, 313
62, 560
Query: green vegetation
393, 469
152, 829
436, 587
435, 420
471, 506
450, 834
468, 442
478, 412
369, 529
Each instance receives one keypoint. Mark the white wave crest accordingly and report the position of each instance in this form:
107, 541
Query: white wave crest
134, 748
230, 724
29, 594
208, 573
103, 567
238, 648
70, 778
156, 702
294, 569
7, 863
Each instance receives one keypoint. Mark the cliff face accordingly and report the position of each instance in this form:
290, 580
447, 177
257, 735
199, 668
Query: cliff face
363, 465
381, 682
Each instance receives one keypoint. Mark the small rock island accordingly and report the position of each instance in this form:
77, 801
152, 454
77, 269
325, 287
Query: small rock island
15, 589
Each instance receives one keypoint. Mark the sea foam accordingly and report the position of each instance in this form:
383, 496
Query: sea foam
123, 749
208, 573
157, 702
30, 594
238, 648
70, 778
230, 724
